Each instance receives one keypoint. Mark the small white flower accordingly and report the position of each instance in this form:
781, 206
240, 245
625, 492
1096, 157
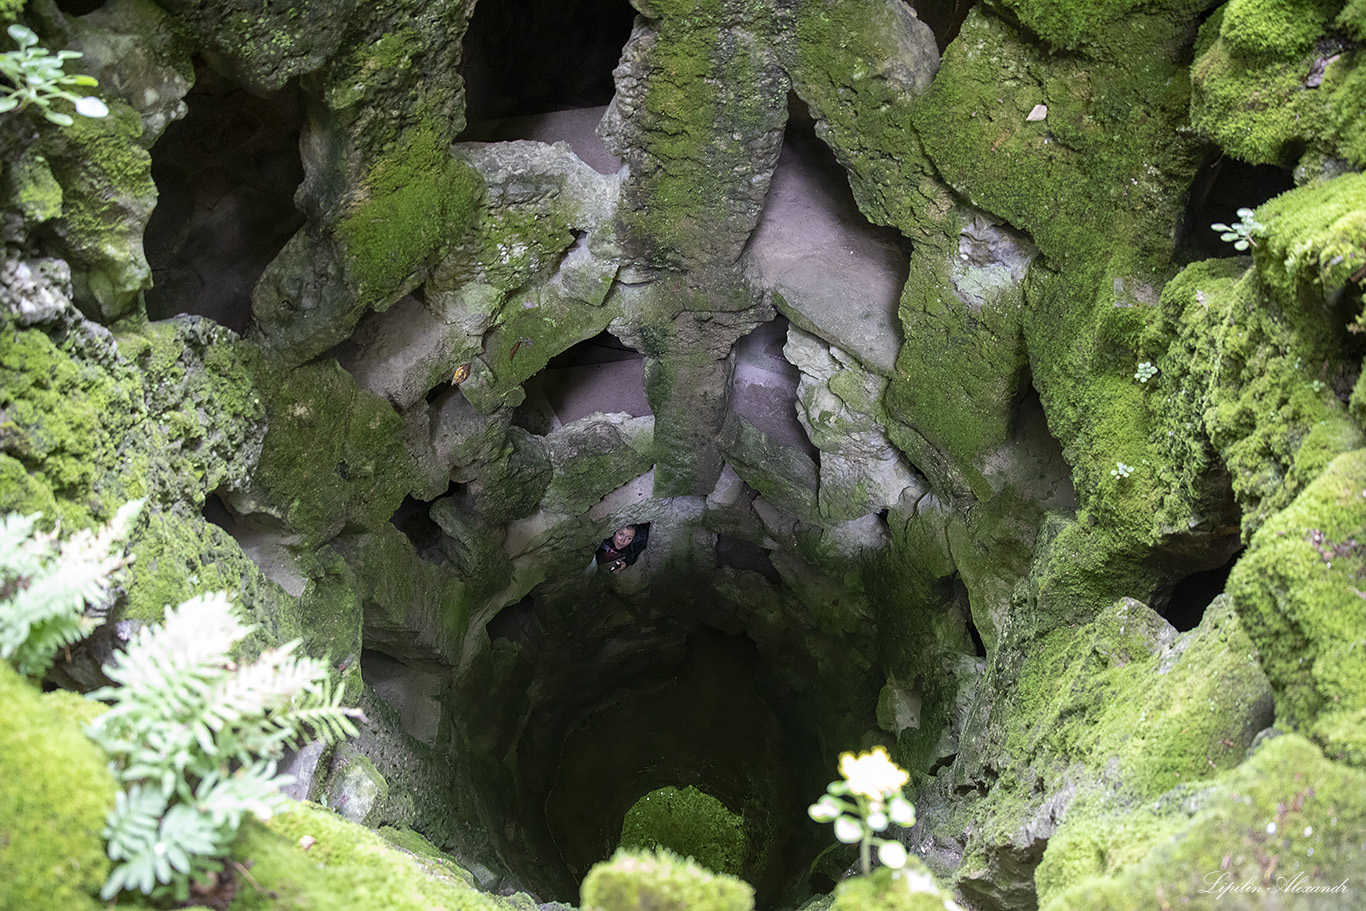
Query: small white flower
90, 106
1308, 830
824, 810
873, 774
901, 811
848, 830
1271, 828
892, 854
877, 821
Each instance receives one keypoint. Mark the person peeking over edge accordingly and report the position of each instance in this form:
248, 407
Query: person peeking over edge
623, 548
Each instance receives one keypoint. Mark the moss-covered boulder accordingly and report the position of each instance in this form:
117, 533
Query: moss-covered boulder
308, 857
698, 118
334, 454
594, 456
1285, 826
635, 879
54, 796
1109, 714
1301, 570
1273, 80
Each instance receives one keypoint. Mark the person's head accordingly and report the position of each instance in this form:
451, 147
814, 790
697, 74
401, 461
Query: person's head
623, 536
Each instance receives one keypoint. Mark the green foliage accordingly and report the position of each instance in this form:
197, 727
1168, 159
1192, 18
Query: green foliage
1240, 232
195, 739
45, 586
37, 78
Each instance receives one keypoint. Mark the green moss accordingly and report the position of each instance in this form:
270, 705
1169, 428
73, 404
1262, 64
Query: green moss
344, 865
70, 424
1274, 28
401, 591
604, 457
783, 475
1110, 162
1347, 82
698, 135
428, 855
333, 455
960, 366
415, 202
32, 189
369, 67
660, 881
199, 383
1342, 736
1109, 695
1256, 104
1286, 816
1112, 714
1248, 361
911, 889
177, 557
21, 492
1314, 238
107, 195
54, 796
1352, 19
838, 69
690, 823
1300, 569
512, 244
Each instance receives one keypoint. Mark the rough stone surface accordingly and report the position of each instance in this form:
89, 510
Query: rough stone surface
977, 509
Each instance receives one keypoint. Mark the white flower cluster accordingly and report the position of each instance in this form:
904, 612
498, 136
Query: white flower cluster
866, 801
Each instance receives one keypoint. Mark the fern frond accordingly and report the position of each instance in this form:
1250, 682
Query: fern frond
192, 730
46, 587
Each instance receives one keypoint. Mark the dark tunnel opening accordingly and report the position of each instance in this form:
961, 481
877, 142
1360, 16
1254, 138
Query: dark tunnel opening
765, 386
226, 175
600, 374
1192, 595
526, 57
738, 553
596, 706
944, 17
1222, 186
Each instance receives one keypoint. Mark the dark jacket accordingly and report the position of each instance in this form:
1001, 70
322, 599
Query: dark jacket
630, 553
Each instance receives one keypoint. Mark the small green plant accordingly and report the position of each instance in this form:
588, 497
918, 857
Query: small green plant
864, 802
1240, 232
38, 78
194, 740
45, 586
1121, 470
1145, 371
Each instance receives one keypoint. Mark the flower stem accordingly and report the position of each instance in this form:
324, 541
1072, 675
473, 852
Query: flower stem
864, 852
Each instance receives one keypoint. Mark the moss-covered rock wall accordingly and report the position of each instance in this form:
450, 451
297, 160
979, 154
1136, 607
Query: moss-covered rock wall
946, 429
